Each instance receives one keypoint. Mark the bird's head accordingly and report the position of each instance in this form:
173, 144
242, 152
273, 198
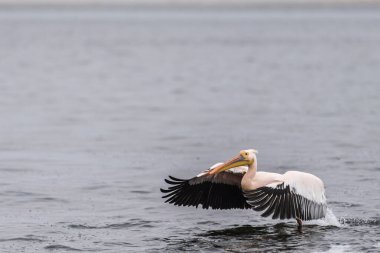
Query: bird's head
245, 157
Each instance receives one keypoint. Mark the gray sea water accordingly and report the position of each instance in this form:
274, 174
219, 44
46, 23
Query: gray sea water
98, 106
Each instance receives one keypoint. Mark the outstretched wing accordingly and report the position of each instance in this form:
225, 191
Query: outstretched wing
300, 195
219, 191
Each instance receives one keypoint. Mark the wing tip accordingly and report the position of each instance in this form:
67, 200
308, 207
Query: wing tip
176, 179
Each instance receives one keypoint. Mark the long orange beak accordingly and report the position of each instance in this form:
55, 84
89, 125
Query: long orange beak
234, 162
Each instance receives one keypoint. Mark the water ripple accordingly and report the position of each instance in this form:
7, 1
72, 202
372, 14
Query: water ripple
140, 192
50, 199
117, 244
25, 239
122, 225
344, 204
19, 194
207, 223
60, 247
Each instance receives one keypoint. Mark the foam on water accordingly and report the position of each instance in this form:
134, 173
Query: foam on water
337, 249
345, 221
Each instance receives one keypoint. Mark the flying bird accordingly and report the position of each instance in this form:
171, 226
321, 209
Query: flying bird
237, 184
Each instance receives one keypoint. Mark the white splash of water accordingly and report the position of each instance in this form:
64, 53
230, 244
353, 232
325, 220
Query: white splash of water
329, 220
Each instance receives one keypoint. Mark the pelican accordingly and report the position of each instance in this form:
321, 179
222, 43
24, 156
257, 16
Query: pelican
237, 184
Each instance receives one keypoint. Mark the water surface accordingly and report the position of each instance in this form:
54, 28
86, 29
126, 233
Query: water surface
98, 106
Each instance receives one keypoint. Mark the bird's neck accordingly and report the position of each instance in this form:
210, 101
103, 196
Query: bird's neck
247, 180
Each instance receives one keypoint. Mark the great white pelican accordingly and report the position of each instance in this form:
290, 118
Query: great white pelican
237, 184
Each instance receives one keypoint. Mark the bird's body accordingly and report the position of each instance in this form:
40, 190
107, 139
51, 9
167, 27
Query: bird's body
238, 184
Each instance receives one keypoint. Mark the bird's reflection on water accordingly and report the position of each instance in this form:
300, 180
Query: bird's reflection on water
247, 238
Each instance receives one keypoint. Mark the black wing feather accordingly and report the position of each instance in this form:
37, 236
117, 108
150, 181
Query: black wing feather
284, 203
214, 192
